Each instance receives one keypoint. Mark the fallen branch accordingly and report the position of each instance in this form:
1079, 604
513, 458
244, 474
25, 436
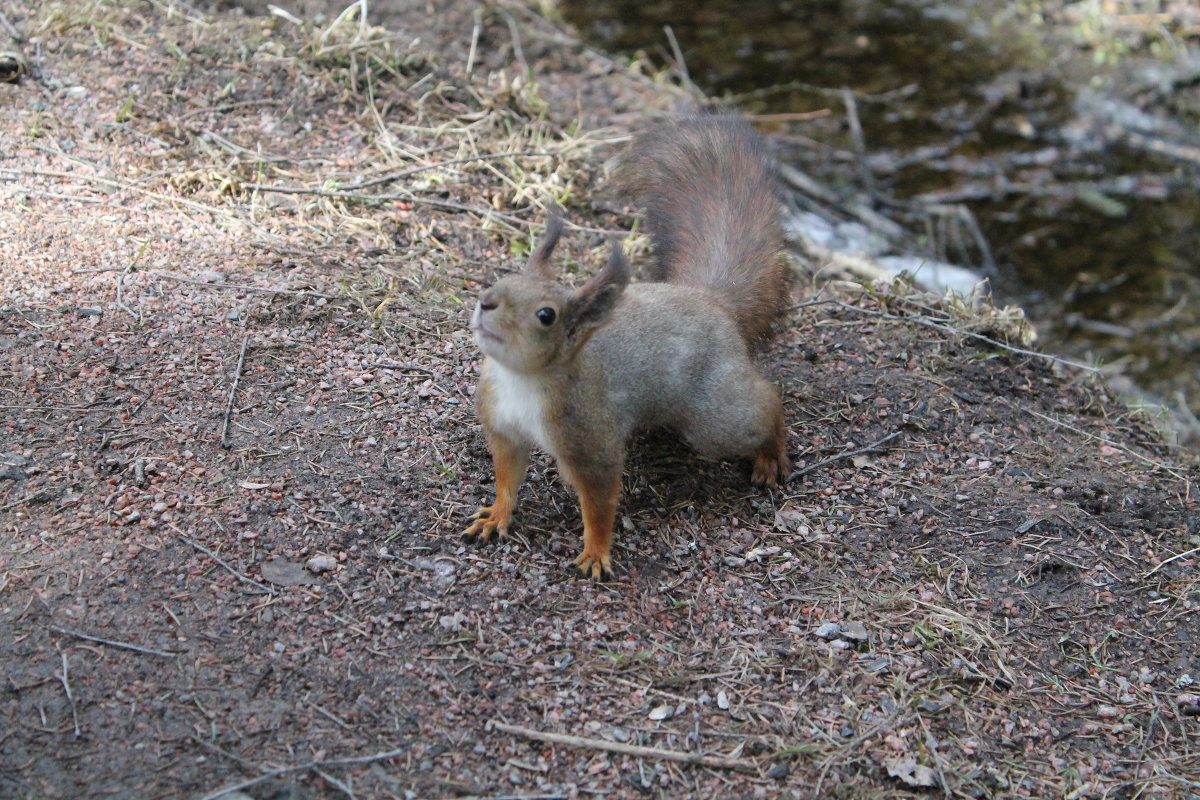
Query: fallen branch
843, 456
111, 643
713, 762
1159, 146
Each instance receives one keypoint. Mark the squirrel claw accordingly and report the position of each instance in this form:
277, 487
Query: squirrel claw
597, 567
476, 539
486, 525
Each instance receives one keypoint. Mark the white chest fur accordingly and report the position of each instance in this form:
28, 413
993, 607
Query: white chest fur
517, 406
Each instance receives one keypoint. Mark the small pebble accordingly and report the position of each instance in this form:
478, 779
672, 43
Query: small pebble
665, 711
319, 564
828, 630
854, 632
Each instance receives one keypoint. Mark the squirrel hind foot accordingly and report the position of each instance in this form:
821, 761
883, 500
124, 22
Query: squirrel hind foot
598, 567
771, 469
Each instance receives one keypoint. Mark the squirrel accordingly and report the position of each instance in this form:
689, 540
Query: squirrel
575, 371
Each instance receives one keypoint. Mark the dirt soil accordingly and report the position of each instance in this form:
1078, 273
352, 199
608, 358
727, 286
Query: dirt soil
237, 451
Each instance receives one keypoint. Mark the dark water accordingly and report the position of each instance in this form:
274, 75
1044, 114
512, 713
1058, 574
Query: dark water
1096, 236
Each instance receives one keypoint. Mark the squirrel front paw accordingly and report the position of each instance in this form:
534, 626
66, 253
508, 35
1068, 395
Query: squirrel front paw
596, 565
488, 521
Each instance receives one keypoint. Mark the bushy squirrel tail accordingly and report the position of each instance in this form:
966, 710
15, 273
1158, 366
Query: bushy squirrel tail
707, 186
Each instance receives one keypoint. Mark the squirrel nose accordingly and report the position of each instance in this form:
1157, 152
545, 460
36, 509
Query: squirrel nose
487, 303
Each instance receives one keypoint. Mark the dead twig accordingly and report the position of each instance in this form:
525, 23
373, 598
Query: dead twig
127, 186
66, 682
311, 765
404, 173
680, 64
13, 33
122, 645
1149, 462
883, 98
40, 493
713, 762
846, 747
337, 784
816, 301
226, 107
856, 136
121, 283
401, 367
963, 214
790, 116
230, 569
843, 456
1176, 557
927, 323
242, 287
486, 213
518, 52
237, 376
474, 40
58, 196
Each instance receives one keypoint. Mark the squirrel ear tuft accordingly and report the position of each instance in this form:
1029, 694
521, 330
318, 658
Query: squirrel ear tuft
617, 268
539, 263
591, 303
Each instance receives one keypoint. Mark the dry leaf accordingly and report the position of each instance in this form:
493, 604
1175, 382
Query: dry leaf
286, 573
910, 772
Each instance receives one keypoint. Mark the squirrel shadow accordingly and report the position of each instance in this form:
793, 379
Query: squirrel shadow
671, 499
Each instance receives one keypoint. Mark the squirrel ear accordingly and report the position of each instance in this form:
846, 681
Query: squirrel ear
591, 303
539, 263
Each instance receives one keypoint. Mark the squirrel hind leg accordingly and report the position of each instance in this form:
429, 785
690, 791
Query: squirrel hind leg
771, 463
741, 418
771, 466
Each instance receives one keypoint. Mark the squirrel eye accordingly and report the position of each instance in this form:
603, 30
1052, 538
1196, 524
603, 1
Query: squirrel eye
546, 316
